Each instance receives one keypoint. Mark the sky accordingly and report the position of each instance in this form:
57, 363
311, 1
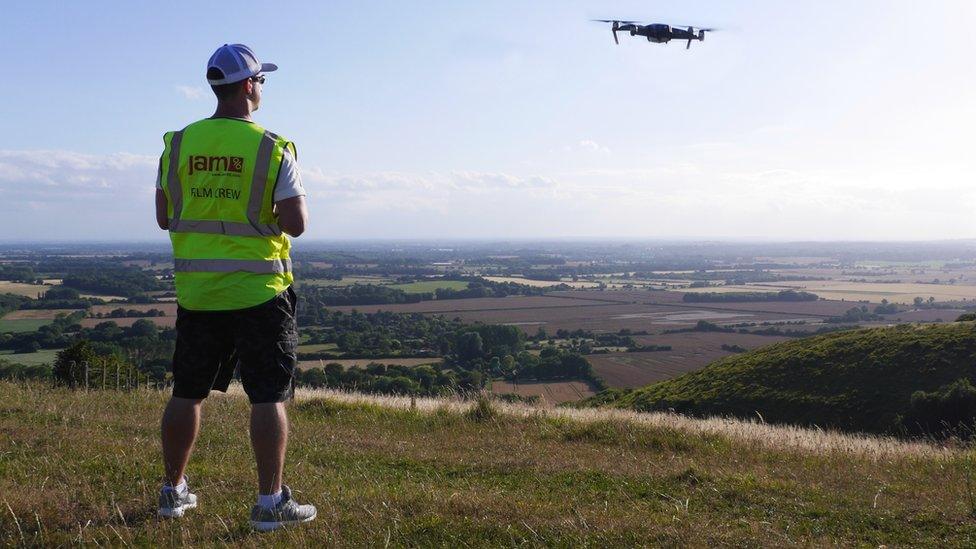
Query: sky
821, 120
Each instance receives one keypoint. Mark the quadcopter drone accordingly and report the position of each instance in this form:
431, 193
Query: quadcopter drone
656, 32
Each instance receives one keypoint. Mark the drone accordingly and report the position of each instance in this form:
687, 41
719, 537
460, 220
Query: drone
656, 32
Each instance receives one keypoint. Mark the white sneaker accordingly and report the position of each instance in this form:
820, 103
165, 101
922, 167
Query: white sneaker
172, 504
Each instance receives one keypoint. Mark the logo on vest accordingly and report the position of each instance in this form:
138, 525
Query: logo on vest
216, 165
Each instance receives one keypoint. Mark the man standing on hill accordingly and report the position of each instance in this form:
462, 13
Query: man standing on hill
229, 193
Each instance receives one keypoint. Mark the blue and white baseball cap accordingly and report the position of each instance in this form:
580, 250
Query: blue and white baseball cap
236, 62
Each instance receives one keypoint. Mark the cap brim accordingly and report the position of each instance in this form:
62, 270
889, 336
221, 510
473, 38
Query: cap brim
268, 67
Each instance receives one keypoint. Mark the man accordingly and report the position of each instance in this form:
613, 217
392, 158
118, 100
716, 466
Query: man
229, 193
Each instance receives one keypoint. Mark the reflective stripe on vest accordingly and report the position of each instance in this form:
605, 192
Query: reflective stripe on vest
232, 228
259, 183
260, 266
173, 176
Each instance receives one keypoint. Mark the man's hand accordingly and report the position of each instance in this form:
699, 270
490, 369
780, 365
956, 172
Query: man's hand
292, 215
161, 218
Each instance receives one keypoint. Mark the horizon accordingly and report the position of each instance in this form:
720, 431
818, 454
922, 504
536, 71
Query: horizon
793, 124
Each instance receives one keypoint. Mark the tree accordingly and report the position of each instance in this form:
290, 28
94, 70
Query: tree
61, 292
314, 377
69, 366
469, 346
349, 341
426, 376
141, 328
333, 374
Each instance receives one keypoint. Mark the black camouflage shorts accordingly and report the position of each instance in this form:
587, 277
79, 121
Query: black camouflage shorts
261, 341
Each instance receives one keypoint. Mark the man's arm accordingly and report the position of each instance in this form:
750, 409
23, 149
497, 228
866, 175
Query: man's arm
292, 215
161, 218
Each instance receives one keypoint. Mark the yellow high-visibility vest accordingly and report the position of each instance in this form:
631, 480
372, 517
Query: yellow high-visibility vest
219, 176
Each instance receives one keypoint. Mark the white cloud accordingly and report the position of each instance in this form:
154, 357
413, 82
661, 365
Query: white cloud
585, 146
192, 92
590, 145
65, 194
69, 195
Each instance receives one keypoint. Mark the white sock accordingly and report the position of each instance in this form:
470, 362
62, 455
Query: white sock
270, 500
180, 488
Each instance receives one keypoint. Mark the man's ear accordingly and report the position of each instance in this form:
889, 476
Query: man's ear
248, 87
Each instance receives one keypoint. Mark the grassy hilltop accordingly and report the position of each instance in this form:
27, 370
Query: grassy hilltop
861, 380
79, 467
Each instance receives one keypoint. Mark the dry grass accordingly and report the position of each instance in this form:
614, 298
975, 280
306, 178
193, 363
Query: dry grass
754, 433
83, 468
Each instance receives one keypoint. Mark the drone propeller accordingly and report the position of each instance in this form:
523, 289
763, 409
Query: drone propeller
616, 21
615, 27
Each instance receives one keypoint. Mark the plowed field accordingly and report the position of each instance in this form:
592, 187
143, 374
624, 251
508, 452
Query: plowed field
548, 393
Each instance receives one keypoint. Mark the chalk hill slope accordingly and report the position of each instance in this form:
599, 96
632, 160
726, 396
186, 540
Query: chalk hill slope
861, 380
83, 468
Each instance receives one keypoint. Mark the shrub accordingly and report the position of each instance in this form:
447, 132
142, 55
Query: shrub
951, 408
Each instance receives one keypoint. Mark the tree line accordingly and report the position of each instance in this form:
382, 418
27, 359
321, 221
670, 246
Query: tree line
738, 297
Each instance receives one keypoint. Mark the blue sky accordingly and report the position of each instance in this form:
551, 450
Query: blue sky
504, 120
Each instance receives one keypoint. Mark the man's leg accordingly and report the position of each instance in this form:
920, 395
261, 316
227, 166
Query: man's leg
180, 425
269, 438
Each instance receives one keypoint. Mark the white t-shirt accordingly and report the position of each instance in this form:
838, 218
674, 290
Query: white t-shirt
288, 185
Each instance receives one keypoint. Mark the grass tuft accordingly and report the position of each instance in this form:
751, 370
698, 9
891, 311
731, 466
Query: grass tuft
323, 407
482, 411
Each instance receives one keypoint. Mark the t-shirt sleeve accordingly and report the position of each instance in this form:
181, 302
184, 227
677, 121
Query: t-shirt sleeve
289, 184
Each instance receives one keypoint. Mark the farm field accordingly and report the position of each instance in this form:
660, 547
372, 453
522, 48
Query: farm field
422, 286
690, 351
19, 288
362, 362
550, 393
161, 321
611, 311
928, 315
44, 356
46, 314
317, 347
821, 308
446, 306
429, 286
346, 281
22, 325
542, 283
903, 293
168, 308
604, 317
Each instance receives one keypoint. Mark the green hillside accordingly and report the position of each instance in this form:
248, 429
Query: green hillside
859, 380
83, 468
